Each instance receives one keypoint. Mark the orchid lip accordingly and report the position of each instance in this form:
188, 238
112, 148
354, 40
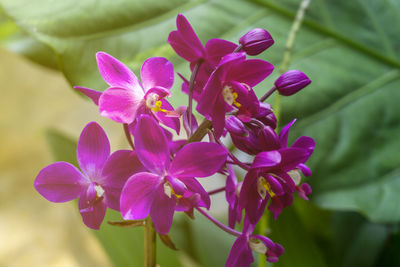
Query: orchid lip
257, 246
295, 175
99, 191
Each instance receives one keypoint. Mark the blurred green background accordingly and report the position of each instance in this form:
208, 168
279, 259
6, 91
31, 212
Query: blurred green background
349, 49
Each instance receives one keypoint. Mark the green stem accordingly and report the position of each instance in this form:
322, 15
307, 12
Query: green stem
263, 226
149, 244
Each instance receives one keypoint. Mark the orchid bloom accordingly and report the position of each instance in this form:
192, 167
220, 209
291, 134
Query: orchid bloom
127, 97
276, 174
99, 183
230, 88
167, 186
187, 45
241, 254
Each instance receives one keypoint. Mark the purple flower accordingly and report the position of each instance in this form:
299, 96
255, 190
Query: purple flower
241, 254
230, 87
291, 82
126, 97
168, 186
99, 183
256, 41
276, 175
187, 45
253, 137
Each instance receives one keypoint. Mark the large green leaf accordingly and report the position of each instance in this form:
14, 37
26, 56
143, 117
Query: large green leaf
348, 48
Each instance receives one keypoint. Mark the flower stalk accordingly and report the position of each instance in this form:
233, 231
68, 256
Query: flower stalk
149, 244
218, 223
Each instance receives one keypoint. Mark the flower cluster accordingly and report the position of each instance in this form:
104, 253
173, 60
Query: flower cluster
158, 176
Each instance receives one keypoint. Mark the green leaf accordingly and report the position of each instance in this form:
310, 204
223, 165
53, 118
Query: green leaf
301, 248
62, 147
14, 39
348, 48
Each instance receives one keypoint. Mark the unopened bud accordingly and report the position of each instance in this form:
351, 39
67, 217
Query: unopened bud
256, 41
291, 82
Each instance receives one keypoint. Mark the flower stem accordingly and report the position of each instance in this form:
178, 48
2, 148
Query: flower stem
267, 94
238, 162
128, 135
288, 49
191, 85
201, 131
238, 48
215, 191
149, 244
263, 226
219, 224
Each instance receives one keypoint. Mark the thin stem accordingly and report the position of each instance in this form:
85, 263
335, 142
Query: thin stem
149, 244
289, 47
238, 48
215, 191
267, 94
219, 224
128, 135
191, 86
238, 162
292, 35
201, 131
263, 226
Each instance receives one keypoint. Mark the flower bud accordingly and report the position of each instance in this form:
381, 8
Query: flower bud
256, 41
291, 82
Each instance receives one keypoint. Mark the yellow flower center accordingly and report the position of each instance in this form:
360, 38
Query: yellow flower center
169, 191
230, 96
263, 187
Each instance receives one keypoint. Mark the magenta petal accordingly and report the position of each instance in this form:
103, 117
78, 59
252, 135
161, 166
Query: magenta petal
188, 34
162, 211
120, 104
60, 182
240, 254
92, 94
217, 49
114, 72
121, 165
218, 117
182, 48
151, 145
199, 159
157, 71
266, 159
251, 71
293, 156
138, 195
283, 135
194, 186
212, 90
160, 91
92, 210
93, 150
305, 142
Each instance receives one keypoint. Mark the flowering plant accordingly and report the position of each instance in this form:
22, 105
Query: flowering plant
158, 175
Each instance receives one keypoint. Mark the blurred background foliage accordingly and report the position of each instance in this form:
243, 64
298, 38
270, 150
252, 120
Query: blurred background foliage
349, 49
